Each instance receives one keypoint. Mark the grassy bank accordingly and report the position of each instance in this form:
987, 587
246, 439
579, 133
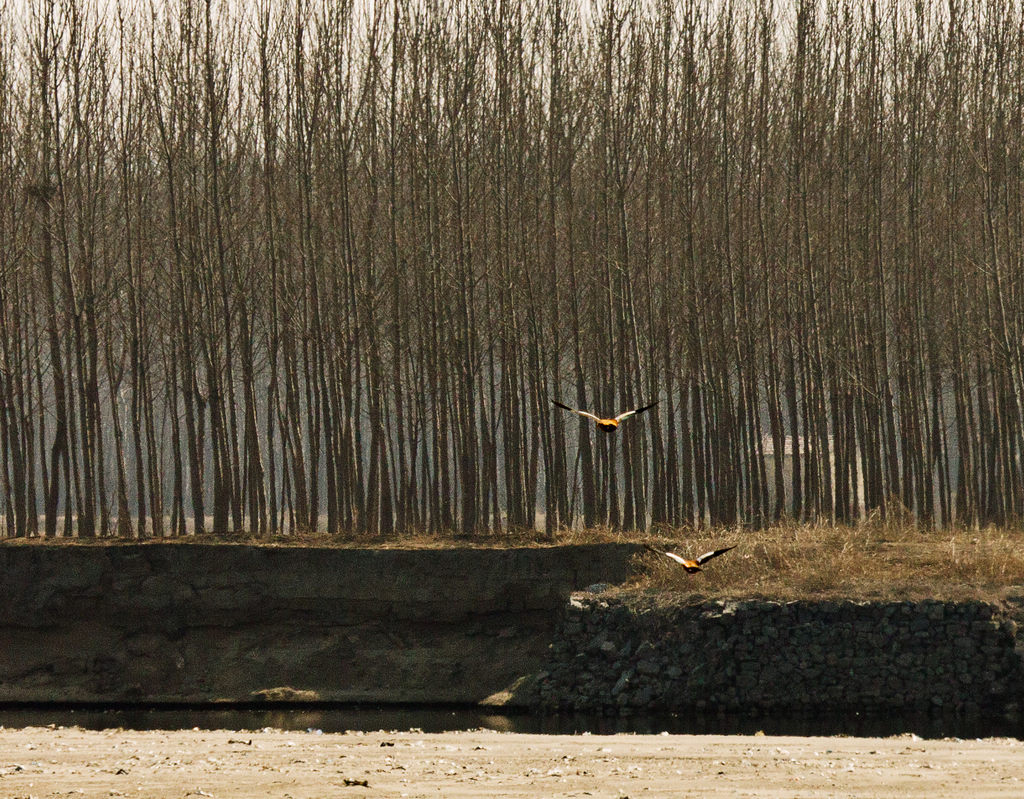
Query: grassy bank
787, 561
869, 561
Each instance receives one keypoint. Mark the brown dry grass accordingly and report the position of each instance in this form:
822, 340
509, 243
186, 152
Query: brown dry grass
870, 561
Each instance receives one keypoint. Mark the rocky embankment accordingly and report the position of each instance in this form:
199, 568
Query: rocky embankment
629, 654
188, 622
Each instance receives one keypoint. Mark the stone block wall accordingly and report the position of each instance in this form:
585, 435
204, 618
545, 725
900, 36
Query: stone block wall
622, 655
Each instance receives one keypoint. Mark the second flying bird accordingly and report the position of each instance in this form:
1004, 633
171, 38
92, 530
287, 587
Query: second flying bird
608, 425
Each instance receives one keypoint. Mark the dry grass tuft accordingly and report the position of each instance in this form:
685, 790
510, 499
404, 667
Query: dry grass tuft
870, 561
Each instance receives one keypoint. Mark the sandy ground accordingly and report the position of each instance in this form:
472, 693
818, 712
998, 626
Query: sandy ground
71, 762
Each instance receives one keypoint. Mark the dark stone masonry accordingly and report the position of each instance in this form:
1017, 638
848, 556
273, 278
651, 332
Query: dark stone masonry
197, 623
625, 654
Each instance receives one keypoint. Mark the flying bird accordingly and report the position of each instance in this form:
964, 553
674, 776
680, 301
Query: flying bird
691, 566
609, 425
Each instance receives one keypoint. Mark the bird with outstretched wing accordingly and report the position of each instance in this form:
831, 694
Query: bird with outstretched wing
691, 566
607, 424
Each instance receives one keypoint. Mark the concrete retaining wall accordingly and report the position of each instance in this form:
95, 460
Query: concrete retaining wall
182, 622
625, 656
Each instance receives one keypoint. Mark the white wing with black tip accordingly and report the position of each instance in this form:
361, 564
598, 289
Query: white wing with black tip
671, 555
713, 554
634, 412
588, 414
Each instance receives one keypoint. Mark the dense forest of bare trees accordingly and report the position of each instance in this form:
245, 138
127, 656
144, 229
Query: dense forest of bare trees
315, 264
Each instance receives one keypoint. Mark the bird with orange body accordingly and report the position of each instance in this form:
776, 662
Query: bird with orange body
691, 566
607, 424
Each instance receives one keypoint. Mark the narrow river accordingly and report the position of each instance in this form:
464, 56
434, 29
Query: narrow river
334, 718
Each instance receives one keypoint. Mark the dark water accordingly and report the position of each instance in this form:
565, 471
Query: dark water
445, 719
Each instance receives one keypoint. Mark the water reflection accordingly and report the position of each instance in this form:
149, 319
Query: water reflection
447, 719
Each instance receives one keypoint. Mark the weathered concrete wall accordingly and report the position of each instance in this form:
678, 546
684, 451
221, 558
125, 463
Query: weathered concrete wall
627, 655
195, 623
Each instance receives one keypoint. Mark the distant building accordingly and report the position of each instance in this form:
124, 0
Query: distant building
768, 443
787, 460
